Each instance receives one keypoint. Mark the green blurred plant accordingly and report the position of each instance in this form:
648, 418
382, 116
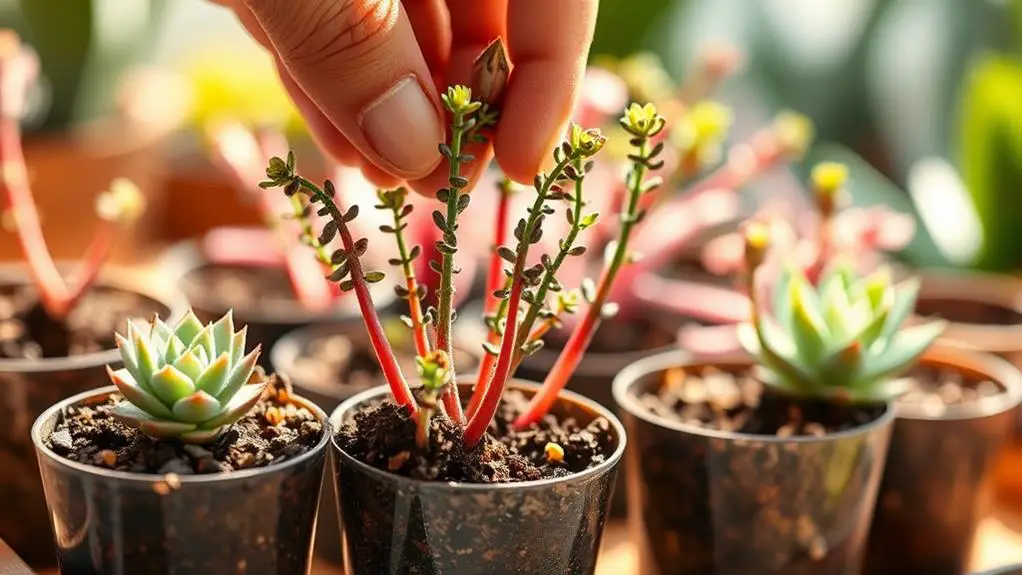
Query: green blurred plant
84, 47
842, 341
990, 156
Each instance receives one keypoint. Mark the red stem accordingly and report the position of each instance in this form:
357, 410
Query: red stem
569, 359
53, 293
92, 261
488, 407
485, 369
495, 277
415, 312
381, 346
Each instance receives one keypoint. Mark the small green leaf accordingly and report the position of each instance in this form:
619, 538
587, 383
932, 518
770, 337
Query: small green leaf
905, 295
238, 345
205, 341
161, 429
374, 277
239, 376
240, 404
147, 361
188, 328
169, 384
223, 333
808, 330
197, 408
190, 363
212, 380
174, 350
131, 391
128, 414
127, 356
902, 352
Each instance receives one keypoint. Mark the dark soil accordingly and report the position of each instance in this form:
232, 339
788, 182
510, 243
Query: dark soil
383, 436
968, 311
720, 400
27, 332
239, 287
276, 430
936, 389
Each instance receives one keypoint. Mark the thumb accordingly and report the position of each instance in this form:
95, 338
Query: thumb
358, 61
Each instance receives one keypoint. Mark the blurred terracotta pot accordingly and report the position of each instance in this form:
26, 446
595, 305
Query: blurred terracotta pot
985, 311
68, 170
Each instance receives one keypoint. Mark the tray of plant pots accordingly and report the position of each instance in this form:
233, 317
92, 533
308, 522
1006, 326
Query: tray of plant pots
194, 461
43, 360
769, 461
952, 426
330, 364
984, 314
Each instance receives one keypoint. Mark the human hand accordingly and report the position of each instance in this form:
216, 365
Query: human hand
365, 75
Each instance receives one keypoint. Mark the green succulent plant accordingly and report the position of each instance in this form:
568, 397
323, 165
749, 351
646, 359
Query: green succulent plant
189, 382
842, 341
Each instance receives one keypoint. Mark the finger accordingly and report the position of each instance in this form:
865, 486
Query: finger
548, 43
358, 61
326, 136
474, 25
431, 24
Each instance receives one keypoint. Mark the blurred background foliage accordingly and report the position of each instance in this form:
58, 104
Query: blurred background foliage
922, 97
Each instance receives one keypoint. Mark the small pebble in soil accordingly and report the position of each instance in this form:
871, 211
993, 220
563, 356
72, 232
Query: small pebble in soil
934, 390
383, 436
90, 435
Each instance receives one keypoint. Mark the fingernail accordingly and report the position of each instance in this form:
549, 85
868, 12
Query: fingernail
402, 126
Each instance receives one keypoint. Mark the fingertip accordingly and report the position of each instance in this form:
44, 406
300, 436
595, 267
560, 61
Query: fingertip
533, 121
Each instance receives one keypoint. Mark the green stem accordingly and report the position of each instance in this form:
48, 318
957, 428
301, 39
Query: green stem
445, 297
548, 277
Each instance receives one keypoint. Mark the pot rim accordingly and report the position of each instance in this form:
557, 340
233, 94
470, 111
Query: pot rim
632, 374
995, 368
979, 287
186, 257
111, 277
131, 476
608, 464
289, 347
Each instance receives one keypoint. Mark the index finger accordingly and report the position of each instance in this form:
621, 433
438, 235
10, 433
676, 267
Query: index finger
548, 43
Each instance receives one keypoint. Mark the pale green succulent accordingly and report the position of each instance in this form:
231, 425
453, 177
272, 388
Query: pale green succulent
189, 382
842, 341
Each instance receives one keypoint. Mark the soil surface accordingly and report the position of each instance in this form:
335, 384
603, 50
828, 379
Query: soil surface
383, 436
725, 401
935, 389
26, 332
276, 430
239, 287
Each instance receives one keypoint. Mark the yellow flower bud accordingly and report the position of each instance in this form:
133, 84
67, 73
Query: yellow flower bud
794, 132
122, 203
829, 177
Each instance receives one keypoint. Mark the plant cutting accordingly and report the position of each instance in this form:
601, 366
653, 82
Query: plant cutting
54, 319
790, 436
193, 460
414, 463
